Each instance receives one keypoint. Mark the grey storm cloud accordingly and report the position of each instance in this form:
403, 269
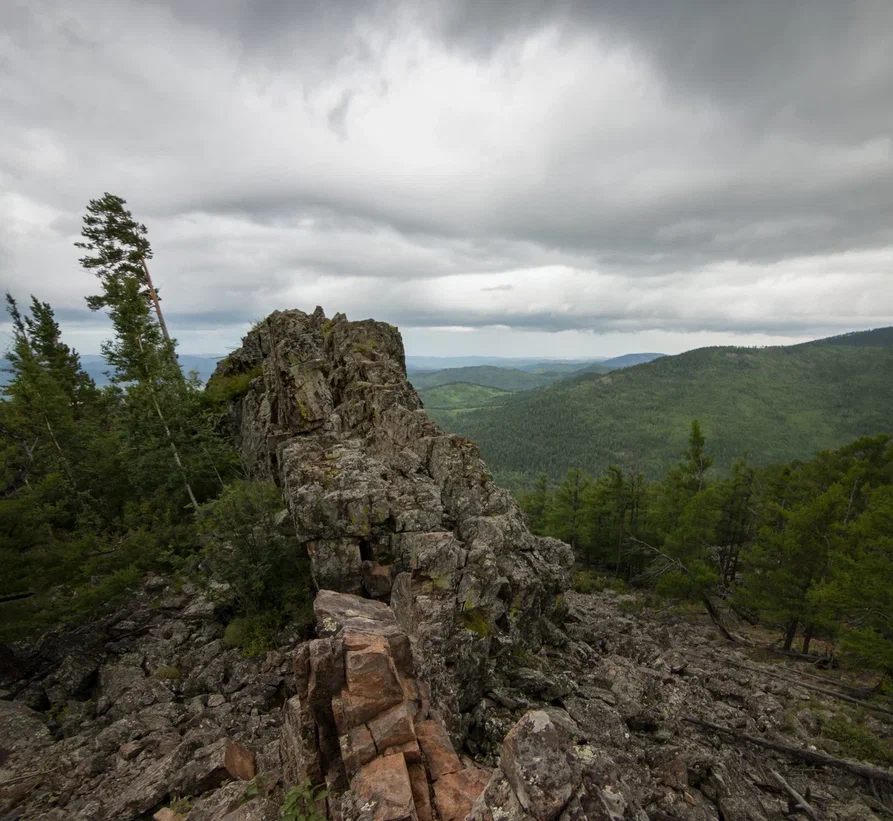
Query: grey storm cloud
612, 166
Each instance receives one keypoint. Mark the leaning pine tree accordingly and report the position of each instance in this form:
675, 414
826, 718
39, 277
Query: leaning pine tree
142, 353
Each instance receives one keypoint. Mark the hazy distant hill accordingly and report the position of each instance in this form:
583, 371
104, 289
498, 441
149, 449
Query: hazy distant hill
876, 338
630, 359
489, 376
96, 366
417, 364
773, 403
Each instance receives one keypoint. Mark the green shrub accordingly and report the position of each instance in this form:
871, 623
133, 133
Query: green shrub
266, 571
590, 581
256, 634
857, 741
226, 388
473, 619
301, 803
180, 805
167, 673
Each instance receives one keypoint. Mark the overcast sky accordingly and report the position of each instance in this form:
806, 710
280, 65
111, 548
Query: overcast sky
526, 177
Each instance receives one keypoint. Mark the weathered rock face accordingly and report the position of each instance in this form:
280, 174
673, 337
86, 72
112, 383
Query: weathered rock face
362, 724
387, 505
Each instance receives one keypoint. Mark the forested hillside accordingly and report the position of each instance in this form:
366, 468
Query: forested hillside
458, 395
770, 404
488, 376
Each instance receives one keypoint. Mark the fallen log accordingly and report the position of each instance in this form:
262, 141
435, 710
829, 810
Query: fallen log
841, 696
799, 802
15, 597
812, 756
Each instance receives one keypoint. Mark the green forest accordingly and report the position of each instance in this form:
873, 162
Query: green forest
769, 404
804, 548
455, 395
100, 486
488, 376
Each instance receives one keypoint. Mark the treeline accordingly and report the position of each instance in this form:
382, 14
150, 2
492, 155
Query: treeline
804, 547
99, 486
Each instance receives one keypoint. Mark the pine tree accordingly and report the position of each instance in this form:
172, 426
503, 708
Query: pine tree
40, 414
119, 249
142, 352
566, 518
535, 504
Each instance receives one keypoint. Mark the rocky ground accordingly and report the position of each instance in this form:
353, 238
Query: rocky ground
135, 709
150, 710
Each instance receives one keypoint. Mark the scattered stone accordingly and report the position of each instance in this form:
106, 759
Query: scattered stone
239, 761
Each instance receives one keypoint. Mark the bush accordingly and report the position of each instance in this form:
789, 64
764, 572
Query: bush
267, 572
227, 388
301, 803
589, 581
256, 634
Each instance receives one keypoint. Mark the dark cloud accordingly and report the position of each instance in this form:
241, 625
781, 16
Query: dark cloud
547, 165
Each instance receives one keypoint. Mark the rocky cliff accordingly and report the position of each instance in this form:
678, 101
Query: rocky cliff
390, 507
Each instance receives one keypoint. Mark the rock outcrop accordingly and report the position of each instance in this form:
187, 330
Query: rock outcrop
387, 505
362, 724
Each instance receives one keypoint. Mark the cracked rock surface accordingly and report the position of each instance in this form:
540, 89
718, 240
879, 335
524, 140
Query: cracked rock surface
390, 507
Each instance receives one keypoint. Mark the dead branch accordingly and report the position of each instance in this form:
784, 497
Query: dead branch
799, 802
15, 597
812, 756
867, 705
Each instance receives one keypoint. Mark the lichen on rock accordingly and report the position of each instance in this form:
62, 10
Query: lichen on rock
387, 505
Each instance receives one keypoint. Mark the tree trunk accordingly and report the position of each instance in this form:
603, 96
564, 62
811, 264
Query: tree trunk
807, 637
156, 302
810, 756
717, 620
176, 453
789, 634
167, 432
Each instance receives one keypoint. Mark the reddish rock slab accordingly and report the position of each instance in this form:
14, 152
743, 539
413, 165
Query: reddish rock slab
372, 684
418, 781
410, 750
455, 793
239, 761
437, 748
392, 727
385, 784
357, 748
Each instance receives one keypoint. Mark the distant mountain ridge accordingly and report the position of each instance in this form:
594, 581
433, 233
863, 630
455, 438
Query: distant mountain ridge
773, 404
96, 366
488, 376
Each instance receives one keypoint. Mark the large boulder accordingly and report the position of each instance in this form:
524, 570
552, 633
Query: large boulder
388, 506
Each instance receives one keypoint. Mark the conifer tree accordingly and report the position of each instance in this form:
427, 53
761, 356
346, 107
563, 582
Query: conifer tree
566, 515
535, 504
142, 352
119, 249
